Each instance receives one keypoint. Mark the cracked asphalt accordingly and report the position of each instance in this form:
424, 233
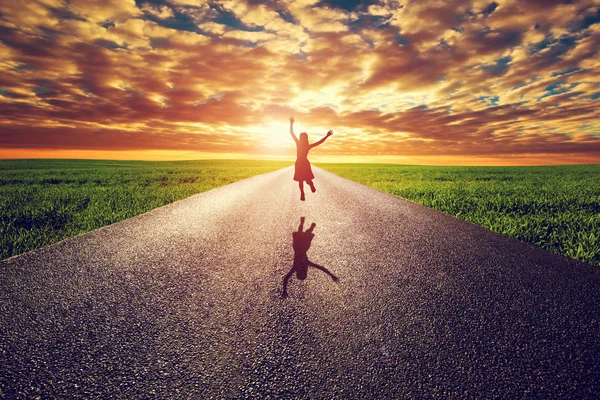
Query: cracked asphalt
186, 302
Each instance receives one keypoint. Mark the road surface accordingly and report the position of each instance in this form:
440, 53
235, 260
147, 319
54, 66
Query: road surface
186, 302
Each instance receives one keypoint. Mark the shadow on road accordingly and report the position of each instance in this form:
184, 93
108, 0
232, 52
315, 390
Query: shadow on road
301, 242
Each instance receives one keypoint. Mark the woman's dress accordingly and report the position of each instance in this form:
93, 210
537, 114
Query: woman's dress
303, 170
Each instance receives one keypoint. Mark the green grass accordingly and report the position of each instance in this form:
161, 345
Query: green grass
556, 208
45, 201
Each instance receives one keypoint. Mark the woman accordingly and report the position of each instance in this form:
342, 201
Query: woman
303, 171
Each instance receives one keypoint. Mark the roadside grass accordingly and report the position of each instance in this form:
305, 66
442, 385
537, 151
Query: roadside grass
556, 208
45, 201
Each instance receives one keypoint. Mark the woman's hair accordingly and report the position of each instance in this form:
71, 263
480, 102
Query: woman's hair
304, 138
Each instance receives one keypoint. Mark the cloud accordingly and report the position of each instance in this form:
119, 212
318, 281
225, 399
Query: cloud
103, 10
319, 19
393, 78
250, 36
214, 28
160, 12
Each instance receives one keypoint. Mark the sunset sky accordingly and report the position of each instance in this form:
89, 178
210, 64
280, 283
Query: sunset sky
426, 82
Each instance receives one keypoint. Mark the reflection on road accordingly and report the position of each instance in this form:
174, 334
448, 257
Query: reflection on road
301, 242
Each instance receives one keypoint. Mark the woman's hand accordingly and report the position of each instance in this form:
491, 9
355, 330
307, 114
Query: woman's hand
329, 133
292, 119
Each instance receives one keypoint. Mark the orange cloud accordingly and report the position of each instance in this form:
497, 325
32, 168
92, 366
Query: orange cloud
394, 79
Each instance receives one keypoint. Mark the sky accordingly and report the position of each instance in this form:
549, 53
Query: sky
452, 82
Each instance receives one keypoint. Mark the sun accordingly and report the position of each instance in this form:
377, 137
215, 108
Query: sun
275, 135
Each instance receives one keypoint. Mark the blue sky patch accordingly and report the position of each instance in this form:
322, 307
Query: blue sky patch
500, 66
363, 21
490, 8
558, 88
24, 67
228, 18
109, 44
181, 22
286, 16
492, 101
401, 40
566, 71
560, 46
140, 3
586, 22
348, 5
41, 90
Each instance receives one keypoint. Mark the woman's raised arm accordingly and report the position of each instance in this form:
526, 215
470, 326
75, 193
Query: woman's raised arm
315, 144
292, 119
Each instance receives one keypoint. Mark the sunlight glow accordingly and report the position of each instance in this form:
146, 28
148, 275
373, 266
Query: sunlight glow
273, 135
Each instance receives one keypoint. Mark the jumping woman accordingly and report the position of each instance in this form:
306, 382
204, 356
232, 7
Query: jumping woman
303, 172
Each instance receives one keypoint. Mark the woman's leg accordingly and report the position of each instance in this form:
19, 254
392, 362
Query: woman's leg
301, 185
312, 186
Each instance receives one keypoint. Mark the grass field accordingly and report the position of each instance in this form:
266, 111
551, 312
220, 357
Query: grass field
556, 208
45, 201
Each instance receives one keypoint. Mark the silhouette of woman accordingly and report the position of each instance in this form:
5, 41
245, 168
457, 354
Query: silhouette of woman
303, 170
301, 243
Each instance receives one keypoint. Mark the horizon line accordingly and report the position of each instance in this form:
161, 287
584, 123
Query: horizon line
291, 161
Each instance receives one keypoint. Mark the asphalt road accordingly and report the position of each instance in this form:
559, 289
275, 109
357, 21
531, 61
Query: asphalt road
186, 302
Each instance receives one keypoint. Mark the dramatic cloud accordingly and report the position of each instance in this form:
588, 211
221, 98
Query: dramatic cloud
504, 81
